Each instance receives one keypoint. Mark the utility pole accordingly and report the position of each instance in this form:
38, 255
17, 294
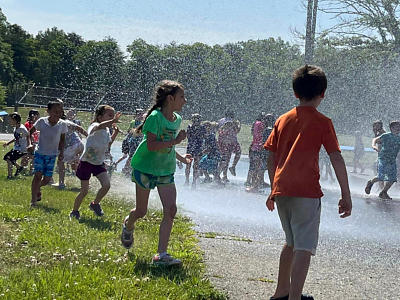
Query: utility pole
312, 9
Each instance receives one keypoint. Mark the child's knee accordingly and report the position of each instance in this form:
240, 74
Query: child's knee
106, 186
171, 211
140, 213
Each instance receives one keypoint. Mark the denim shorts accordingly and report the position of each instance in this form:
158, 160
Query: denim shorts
300, 219
387, 171
44, 164
149, 182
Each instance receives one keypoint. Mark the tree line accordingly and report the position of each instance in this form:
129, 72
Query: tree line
246, 77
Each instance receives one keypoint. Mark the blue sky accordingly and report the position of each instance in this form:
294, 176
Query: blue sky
161, 22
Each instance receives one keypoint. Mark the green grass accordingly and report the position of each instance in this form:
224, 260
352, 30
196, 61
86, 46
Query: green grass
44, 255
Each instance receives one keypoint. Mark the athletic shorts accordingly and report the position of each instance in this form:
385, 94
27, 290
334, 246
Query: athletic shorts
256, 160
387, 171
300, 219
86, 169
209, 164
70, 153
149, 182
44, 164
13, 155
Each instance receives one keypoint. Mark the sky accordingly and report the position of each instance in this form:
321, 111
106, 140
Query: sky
162, 22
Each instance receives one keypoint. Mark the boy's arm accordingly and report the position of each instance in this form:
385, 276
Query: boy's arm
345, 203
375, 141
8, 143
271, 174
61, 145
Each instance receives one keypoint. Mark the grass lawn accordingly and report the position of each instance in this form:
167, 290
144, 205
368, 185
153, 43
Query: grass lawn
44, 255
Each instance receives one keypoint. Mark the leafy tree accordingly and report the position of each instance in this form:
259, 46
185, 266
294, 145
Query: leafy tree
373, 22
3, 92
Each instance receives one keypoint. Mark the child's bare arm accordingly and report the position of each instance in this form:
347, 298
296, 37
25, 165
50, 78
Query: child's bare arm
8, 143
187, 159
108, 123
375, 141
154, 145
345, 203
80, 130
61, 145
271, 174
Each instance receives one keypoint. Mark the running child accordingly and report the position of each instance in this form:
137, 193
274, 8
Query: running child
211, 156
387, 153
98, 142
33, 116
228, 144
21, 141
294, 145
73, 147
51, 142
195, 136
154, 165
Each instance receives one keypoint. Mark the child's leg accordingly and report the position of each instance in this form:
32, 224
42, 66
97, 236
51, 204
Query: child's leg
168, 199
238, 152
142, 200
104, 179
300, 265
187, 172
9, 167
82, 194
61, 172
285, 266
36, 184
387, 186
195, 168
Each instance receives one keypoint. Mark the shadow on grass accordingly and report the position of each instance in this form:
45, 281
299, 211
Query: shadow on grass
145, 268
99, 224
46, 209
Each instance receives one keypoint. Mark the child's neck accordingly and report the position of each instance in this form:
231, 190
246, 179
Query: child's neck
168, 113
52, 121
311, 103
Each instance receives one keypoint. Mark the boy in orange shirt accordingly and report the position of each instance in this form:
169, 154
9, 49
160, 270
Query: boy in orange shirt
293, 170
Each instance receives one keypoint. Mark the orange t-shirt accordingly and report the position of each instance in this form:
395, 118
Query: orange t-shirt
296, 140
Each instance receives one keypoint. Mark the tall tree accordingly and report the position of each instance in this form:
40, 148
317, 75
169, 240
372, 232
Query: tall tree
366, 21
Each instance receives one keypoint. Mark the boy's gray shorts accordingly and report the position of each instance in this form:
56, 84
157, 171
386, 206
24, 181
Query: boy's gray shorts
300, 221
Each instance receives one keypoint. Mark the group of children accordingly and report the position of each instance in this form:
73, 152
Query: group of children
211, 154
292, 162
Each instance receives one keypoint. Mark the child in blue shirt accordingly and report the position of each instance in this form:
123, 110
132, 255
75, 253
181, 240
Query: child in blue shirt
387, 153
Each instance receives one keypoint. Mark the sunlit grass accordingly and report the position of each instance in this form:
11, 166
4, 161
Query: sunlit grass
44, 255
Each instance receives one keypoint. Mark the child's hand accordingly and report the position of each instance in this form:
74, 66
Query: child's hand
375, 148
270, 203
5, 145
188, 159
345, 207
117, 116
181, 136
116, 129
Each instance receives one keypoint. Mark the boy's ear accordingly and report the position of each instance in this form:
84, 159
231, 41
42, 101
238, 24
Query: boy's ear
296, 95
323, 94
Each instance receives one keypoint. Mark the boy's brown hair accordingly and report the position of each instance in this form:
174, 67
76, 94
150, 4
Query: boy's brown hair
309, 82
393, 124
